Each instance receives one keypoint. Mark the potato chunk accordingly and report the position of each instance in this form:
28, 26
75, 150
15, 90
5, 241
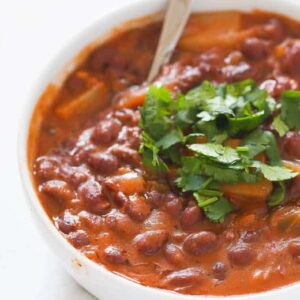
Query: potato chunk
95, 97
244, 194
211, 29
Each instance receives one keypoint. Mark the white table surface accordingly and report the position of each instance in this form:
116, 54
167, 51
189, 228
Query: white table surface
31, 32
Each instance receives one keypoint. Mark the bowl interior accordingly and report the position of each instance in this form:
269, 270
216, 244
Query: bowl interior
89, 273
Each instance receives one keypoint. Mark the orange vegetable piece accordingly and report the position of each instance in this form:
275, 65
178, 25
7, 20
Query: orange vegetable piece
243, 193
233, 143
128, 183
133, 98
211, 29
292, 166
96, 97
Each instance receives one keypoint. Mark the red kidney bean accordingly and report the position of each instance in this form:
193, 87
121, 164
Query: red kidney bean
155, 198
250, 236
174, 205
126, 154
294, 248
91, 193
92, 221
202, 242
274, 30
255, 48
150, 242
57, 189
241, 255
46, 168
102, 58
120, 199
106, 131
219, 269
115, 255
75, 175
128, 116
291, 59
174, 254
121, 224
178, 236
185, 277
67, 223
190, 216
130, 136
104, 163
238, 72
293, 189
78, 238
290, 145
138, 208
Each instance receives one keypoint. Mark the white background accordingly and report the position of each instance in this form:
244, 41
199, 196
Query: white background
31, 32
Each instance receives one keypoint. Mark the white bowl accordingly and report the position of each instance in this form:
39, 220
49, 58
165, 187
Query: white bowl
93, 277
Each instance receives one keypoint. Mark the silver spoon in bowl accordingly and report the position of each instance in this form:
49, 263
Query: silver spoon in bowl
177, 14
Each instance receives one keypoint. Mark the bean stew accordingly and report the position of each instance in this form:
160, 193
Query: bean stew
189, 183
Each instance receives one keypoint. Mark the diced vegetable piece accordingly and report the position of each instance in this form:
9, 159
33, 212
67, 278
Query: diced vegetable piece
242, 194
93, 99
133, 98
287, 220
128, 183
292, 166
212, 29
233, 143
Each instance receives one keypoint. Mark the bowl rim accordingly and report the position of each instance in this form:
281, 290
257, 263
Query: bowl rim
49, 73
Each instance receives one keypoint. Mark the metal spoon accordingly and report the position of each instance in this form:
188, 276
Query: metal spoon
174, 22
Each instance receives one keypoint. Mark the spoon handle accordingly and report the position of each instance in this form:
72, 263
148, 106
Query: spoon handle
174, 22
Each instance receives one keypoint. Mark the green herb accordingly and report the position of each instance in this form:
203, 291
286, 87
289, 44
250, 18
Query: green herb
173, 125
275, 173
217, 152
262, 141
280, 126
215, 209
155, 112
290, 109
150, 156
171, 138
190, 178
278, 195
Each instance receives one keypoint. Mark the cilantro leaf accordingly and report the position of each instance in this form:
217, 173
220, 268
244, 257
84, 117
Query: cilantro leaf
196, 96
155, 112
171, 138
222, 173
278, 195
190, 182
240, 88
276, 173
150, 156
222, 154
245, 123
215, 209
290, 109
259, 141
280, 126
190, 178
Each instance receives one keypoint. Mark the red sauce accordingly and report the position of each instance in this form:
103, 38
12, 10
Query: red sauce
91, 181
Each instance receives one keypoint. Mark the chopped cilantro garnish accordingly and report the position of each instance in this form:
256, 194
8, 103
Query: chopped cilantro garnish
280, 126
276, 173
278, 195
290, 109
217, 152
190, 132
